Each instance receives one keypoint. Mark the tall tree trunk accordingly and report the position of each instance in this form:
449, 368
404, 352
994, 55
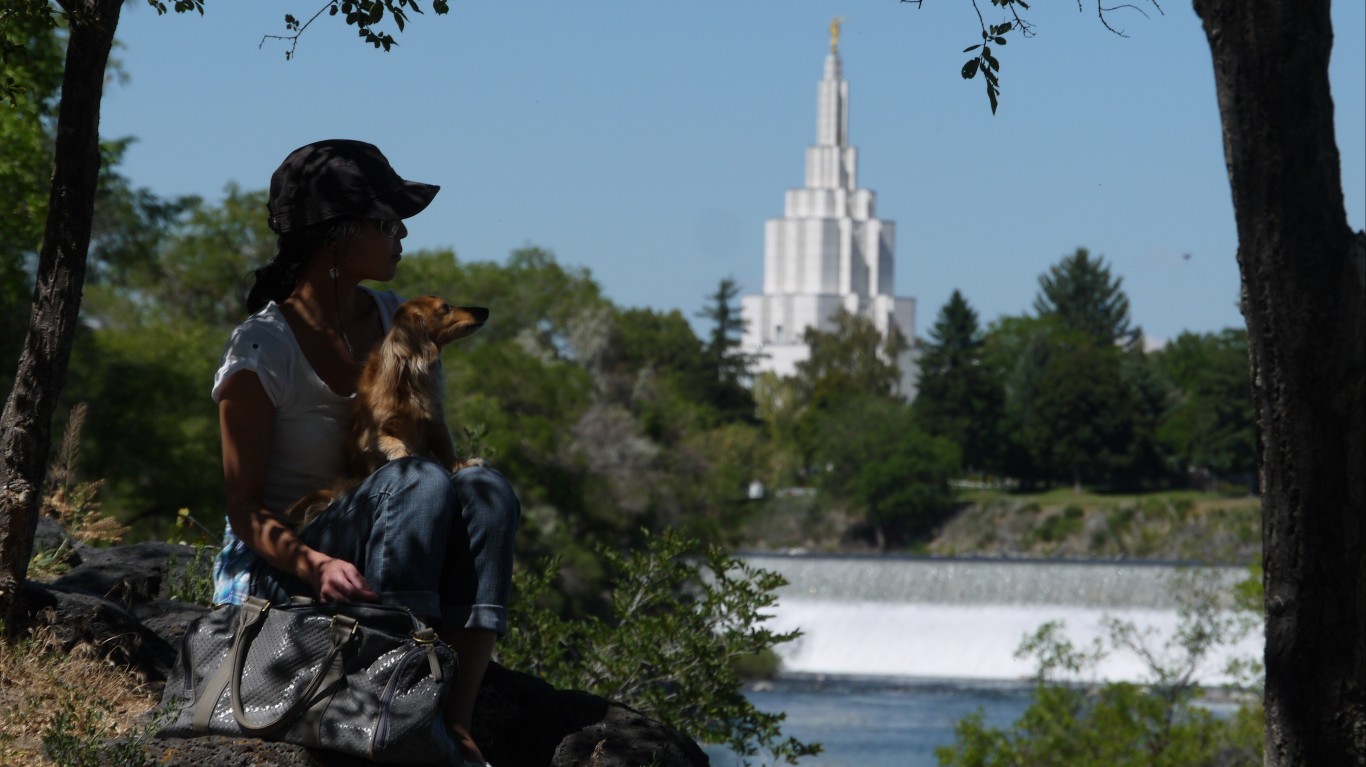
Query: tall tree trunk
1304, 299
26, 426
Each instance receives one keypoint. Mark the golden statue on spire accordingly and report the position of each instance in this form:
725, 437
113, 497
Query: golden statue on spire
835, 34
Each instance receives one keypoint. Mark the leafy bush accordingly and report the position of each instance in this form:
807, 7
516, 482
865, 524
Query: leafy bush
192, 582
873, 454
680, 619
1121, 724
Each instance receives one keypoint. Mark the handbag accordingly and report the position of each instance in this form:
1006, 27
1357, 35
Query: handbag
361, 679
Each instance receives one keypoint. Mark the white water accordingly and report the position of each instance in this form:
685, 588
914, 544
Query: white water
964, 619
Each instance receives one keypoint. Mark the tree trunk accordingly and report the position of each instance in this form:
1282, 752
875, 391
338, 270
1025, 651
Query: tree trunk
1304, 299
26, 426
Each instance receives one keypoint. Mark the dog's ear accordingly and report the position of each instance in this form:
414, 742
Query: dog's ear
410, 326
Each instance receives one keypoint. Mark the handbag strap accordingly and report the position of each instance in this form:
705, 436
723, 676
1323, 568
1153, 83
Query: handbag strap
253, 609
340, 633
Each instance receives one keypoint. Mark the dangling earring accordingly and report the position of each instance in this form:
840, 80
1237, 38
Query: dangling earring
336, 307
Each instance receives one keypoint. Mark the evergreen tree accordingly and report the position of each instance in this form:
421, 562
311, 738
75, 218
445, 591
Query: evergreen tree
732, 366
1015, 352
957, 397
727, 325
1080, 291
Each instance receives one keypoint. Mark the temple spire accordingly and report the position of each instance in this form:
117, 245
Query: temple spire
829, 252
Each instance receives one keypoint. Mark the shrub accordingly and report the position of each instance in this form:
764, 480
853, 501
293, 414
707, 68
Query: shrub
1120, 724
680, 618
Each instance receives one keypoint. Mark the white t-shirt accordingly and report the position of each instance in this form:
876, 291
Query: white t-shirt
307, 442
307, 449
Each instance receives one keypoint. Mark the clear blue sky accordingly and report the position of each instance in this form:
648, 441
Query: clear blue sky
650, 141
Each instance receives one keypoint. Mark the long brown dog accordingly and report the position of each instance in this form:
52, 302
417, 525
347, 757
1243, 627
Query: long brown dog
398, 409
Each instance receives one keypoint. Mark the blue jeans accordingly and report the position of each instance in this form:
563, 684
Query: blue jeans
439, 544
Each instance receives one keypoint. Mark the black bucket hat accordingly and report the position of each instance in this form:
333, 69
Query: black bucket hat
339, 177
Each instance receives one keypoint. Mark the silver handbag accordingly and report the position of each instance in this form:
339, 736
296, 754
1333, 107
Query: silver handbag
365, 680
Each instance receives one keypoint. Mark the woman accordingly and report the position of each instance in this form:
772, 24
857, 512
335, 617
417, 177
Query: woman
410, 534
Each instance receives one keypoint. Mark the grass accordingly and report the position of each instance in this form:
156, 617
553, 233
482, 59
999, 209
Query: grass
1058, 522
1062, 497
1063, 522
61, 708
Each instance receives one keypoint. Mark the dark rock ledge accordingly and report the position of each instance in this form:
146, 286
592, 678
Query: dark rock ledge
117, 599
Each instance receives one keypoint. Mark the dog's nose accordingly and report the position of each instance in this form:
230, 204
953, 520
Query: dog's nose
479, 313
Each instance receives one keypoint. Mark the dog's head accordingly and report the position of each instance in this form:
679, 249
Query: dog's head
429, 318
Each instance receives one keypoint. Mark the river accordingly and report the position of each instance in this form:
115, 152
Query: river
895, 650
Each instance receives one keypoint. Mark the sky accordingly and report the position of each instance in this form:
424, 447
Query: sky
648, 142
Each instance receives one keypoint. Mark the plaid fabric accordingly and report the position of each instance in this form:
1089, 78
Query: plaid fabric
232, 570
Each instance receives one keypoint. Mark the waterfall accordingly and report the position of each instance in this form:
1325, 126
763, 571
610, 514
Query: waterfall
964, 618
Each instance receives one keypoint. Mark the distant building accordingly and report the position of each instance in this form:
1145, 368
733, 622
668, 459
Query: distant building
828, 252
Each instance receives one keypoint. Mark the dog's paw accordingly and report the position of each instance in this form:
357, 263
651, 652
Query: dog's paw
458, 465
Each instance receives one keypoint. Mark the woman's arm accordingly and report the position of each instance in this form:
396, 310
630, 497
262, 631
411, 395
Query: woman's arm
245, 418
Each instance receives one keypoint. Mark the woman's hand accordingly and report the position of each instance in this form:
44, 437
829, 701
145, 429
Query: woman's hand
336, 580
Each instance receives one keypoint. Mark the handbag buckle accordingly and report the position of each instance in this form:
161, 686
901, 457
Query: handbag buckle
348, 624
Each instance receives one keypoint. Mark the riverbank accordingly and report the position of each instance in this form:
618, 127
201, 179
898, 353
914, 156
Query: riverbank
1057, 524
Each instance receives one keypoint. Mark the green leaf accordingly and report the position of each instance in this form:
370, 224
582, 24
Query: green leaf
991, 95
972, 47
970, 69
999, 40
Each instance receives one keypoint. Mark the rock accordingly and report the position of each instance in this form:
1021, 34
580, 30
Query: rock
521, 720
76, 618
627, 738
116, 599
167, 618
241, 752
133, 574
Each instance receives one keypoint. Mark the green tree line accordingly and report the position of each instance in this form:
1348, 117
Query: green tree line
1069, 394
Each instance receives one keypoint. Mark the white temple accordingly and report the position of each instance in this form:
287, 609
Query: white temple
829, 251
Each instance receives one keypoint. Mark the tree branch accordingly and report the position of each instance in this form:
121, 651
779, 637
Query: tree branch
293, 23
